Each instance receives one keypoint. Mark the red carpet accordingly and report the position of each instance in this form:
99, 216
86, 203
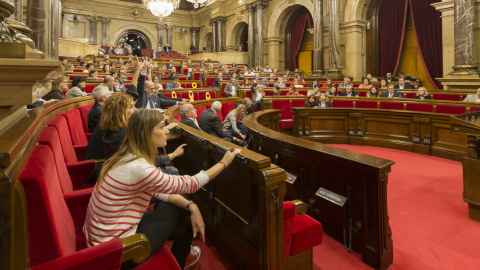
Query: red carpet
429, 219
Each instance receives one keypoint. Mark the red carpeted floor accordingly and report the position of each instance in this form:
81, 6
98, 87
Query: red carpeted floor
428, 217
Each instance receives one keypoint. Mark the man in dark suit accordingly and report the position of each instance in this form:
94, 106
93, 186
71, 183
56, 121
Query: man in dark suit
100, 95
248, 105
189, 115
194, 48
389, 78
167, 48
408, 79
154, 54
217, 80
402, 85
210, 123
391, 92
169, 65
348, 92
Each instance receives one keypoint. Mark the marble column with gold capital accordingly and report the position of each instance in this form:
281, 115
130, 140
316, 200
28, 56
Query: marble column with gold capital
220, 27
214, 34
93, 28
251, 35
464, 23
160, 29
318, 63
261, 5
334, 33
106, 31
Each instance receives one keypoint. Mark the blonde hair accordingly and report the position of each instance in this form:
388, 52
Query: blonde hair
59, 80
424, 90
114, 112
137, 143
237, 110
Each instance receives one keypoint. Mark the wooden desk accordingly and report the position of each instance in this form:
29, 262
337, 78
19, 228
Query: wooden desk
365, 214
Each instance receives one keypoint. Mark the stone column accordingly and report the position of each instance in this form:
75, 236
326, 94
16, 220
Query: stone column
214, 35
19, 10
260, 57
317, 61
273, 45
251, 35
160, 28
170, 35
195, 32
334, 57
56, 16
93, 28
37, 20
448, 41
464, 23
106, 31
220, 36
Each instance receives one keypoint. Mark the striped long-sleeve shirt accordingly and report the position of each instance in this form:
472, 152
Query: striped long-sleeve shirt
115, 210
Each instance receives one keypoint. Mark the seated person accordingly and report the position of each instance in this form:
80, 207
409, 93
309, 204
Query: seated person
310, 102
202, 75
276, 91
333, 91
345, 83
383, 84
389, 78
248, 105
231, 90
391, 92
373, 92
188, 113
174, 84
422, 94
106, 69
349, 92
119, 49
267, 68
77, 89
296, 84
210, 123
407, 79
257, 95
247, 83
315, 91
173, 74
233, 122
323, 101
292, 91
279, 82
371, 79
217, 80
100, 95
169, 65
154, 54
93, 75
366, 83
58, 86
313, 84
402, 85
88, 68
474, 97
101, 51
126, 215
111, 50
271, 77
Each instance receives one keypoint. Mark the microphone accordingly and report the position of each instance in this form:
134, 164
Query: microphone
469, 117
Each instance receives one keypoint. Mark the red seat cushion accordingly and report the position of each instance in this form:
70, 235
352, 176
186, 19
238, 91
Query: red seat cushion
420, 107
209, 81
285, 124
60, 124
307, 233
84, 111
162, 259
338, 103
89, 88
362, 93
303, 92
248, 94
451, 109
364, 104
203, 95
227, 107
75, 126
285, 108
288, 218
297, 103
386, 105
453, 97
409, 95
200, 110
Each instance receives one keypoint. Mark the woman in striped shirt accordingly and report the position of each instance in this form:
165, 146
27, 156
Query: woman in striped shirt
129, 179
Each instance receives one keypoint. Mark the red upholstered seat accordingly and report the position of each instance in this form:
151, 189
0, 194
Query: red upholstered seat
284, 92
200, 110
303, 92
386, 105
409, 95
362, 93
420, 107
451, 109
297, 103
209, 81
267, 92
339, 103
248, 94
286, 115
89, 88
84, 111
227, 107
186, 95
364, 104
163, 259
71, 154
203, 95
75, 126
453, 97
474, 109
72, 176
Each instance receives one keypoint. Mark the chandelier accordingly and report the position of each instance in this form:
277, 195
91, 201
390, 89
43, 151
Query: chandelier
196, 3
161, 8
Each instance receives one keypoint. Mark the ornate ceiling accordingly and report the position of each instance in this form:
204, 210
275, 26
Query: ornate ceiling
184, 5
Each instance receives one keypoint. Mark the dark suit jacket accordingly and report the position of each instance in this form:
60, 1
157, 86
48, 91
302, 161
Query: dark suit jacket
189, 123
395, 94
392, 79
55, 93
167, 49
169, 66
405, 86
94, 117
216, 82
142, 95
194, 48
167, 102
327, 104
210, 123
344, 93
154, 55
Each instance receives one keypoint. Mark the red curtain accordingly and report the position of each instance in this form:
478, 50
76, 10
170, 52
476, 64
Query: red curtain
392, 20
427, 24
297, 34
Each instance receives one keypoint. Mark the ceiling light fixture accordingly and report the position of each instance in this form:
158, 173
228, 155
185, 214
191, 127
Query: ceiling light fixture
161, 8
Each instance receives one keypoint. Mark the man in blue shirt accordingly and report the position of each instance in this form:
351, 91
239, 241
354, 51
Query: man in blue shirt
217, 80
174, 84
